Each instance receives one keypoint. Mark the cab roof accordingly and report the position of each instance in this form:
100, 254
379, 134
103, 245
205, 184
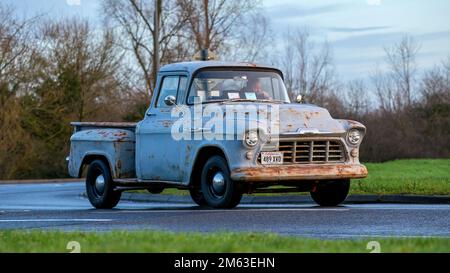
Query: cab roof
192, 67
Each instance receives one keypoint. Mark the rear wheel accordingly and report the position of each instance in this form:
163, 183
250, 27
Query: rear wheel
100, 187
217, 187
331, 193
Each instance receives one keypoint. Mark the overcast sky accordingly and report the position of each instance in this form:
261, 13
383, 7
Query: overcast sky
357, 30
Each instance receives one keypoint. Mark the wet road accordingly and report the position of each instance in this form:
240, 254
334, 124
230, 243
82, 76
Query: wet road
61, 207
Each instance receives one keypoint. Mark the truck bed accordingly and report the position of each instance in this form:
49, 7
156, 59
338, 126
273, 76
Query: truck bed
113, 142
81, 126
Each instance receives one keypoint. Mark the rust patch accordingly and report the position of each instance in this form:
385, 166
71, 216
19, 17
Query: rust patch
103, 133
303, 172
165, 123
105, 124
120, 134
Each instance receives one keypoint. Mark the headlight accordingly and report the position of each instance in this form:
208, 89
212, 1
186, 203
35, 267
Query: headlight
354, 136
251, 138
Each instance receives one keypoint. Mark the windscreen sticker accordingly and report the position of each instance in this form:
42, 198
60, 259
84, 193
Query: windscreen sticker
250, 95
214, 93
233, 95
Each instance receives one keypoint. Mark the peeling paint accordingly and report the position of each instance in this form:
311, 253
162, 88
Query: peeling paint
300, 172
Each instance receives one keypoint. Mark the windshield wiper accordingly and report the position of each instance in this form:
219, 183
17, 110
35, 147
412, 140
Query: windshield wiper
237, 100
274, 101
252, 100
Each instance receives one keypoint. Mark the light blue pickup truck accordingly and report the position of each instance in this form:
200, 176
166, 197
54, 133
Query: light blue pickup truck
220, 130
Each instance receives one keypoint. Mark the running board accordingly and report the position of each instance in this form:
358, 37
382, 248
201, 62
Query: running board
135, 183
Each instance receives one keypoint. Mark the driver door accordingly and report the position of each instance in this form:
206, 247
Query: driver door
159, 154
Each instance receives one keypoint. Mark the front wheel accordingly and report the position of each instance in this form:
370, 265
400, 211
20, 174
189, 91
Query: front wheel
197, 196
219, 190
331, 193
99, 186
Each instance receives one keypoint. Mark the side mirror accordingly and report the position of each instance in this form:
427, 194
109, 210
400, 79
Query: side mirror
170, 100
299, 99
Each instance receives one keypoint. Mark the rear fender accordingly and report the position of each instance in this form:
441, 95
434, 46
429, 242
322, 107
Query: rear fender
116, 145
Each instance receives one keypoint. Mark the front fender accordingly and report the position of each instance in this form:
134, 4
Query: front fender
351, 124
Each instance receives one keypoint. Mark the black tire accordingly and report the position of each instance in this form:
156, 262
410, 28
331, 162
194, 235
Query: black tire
331, 193
197, 196
219, 195
101, 197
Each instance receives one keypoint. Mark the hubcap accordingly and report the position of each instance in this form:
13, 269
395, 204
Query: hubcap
100, 183
218, 183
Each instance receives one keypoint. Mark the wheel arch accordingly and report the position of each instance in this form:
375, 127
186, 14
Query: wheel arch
89, 158
202, 156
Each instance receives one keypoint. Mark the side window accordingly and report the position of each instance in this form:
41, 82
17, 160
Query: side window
276, 89
182, 86
169, 87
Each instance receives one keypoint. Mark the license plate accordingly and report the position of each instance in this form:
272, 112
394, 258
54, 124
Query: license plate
271, 158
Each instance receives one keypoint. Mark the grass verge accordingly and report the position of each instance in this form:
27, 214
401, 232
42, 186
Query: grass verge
151, 241
415, 176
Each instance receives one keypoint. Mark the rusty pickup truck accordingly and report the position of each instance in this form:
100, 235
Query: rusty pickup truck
219, 130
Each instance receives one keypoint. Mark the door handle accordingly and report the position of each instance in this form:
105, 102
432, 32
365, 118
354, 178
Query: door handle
200, 130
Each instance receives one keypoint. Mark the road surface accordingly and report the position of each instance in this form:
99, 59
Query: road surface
61, 207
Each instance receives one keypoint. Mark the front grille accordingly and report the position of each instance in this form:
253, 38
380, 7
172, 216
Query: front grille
312, 151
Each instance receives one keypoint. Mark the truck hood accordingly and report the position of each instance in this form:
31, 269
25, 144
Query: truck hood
304, 118
298, 118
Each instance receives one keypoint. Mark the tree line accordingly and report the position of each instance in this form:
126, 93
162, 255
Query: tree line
53, 72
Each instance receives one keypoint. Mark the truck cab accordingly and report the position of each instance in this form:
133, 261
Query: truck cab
220, 130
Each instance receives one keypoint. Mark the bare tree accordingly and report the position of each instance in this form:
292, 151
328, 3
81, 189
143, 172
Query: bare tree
252, 41
287, 62
79, 64
135, 21
384, 91
401, 59
435, 85
356, 100
14, 47
212, 22
310, 65
15, 142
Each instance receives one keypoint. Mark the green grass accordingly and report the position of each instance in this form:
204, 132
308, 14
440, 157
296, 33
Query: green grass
149, 241
414, 176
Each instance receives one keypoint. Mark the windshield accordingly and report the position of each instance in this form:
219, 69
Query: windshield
216, 86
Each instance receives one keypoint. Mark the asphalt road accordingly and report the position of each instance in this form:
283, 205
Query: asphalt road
61, 207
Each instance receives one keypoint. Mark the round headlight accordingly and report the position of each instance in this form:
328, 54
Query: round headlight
251, 138
354, 136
